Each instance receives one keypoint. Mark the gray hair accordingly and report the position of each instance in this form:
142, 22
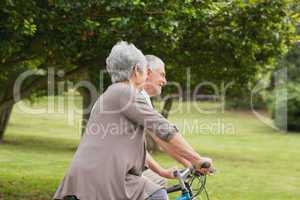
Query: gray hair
154, 61
121, 60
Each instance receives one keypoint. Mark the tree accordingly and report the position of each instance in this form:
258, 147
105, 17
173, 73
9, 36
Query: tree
221, 40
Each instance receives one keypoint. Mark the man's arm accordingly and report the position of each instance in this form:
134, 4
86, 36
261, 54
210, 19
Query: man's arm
184, 149
180, 150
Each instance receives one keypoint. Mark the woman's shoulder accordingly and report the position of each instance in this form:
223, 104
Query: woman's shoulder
123, 89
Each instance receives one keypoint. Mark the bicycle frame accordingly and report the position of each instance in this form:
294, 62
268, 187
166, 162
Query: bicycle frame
182, 176
184, 196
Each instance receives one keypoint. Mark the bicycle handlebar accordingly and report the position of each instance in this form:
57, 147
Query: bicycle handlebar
204, 165
186, 178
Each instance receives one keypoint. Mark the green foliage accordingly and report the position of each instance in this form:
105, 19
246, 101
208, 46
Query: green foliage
29, 28
293, 105
236, 43
219, 41
292, 62
244, 102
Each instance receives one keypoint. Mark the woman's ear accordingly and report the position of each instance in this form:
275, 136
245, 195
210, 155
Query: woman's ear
149, 71
135, 70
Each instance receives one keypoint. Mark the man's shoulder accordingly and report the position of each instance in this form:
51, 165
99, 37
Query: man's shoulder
144, 93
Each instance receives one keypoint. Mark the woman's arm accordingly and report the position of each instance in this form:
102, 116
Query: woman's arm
154, 166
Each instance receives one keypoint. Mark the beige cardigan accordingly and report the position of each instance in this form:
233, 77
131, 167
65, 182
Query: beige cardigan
110, 158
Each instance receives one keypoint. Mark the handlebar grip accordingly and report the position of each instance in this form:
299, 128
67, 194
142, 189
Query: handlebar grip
175, 173
205, 165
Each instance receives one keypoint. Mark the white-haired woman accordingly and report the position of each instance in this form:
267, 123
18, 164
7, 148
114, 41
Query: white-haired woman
111, 156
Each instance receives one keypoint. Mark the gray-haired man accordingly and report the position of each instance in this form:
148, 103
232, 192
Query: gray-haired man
156, 79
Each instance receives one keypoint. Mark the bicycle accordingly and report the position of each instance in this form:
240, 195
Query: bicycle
187, 178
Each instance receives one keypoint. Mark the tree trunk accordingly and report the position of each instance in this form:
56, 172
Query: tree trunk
167, 107
89, 96
151, 144
4, 118
86, 108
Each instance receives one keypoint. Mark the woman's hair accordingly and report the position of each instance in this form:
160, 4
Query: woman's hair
122, 59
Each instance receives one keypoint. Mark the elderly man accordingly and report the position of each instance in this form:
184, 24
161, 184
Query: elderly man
156, 79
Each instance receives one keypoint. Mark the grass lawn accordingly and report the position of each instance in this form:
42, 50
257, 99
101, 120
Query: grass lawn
253, 160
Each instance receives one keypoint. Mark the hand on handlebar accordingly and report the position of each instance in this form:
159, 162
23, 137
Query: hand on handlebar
204, 166
168, 173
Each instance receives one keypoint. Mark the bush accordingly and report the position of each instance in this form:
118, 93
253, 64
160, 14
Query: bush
293, 107
243, 101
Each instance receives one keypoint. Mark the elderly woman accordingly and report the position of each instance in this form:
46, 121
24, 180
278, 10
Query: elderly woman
111, 156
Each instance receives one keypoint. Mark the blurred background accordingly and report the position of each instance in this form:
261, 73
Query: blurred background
233, 89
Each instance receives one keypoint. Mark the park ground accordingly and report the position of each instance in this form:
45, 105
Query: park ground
253, 160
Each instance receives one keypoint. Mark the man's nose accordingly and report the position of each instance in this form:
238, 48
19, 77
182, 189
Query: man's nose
164, 81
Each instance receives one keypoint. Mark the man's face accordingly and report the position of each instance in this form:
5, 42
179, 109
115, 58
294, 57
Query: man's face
156, 79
